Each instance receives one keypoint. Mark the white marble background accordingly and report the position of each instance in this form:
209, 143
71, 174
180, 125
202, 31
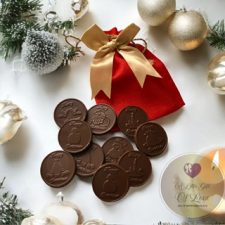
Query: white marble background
199, 125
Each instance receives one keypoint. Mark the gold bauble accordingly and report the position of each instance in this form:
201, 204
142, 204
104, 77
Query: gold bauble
187, 30
155, 12
216, 74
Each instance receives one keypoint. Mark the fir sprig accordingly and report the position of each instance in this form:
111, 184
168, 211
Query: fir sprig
216, 35
57, 25
10, 213
17, 17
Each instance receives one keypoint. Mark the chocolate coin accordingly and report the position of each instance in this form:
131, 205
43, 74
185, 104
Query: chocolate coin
115, 147
110, 183
58, 169
75, 136
151, 139
89, 160
129, 119
69, 109
137, 166
101, 118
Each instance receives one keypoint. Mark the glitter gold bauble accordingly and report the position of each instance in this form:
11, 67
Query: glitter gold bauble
216, 74
187, 30
155, 12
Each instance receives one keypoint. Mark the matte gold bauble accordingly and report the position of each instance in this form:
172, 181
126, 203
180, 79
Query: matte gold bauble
187, 30
216, 74
155, 12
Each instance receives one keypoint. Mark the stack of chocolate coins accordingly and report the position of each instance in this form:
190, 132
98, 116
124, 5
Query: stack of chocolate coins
116, 166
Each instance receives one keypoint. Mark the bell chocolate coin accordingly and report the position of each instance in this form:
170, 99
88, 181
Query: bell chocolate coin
75, 136
129, 119
137, 166
69, 109
151, 139
101, 118
58, 169
110, 183
89, 160
115, 147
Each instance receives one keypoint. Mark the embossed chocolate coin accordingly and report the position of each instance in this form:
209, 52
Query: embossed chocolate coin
110, 183
69, 109
89, 160
115, 147
75, 136
101, 118
129, 119
58, 169
151, 139
137, 166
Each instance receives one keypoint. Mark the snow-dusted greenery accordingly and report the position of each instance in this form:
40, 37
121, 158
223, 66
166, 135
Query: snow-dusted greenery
42, 52
10, 213
19, 17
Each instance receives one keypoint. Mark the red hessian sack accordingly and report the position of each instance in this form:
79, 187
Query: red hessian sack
158, 96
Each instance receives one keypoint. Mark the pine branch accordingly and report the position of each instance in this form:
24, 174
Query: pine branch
216, 36
10, 214
56, 25
17, 17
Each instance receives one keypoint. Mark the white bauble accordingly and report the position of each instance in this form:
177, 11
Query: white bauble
93, 222
40, 220
156, 12
65, 212
187, 30
216, 74
11, 118
80, 8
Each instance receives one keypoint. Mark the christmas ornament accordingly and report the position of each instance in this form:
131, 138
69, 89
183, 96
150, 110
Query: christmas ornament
11, 118
20, 17
40, 220
60, 213
216, 74
42, 52
10, 213
155, 12
65, 212
94, 222
187, 30
80, 8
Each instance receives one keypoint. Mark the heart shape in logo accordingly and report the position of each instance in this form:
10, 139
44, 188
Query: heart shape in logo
192, 170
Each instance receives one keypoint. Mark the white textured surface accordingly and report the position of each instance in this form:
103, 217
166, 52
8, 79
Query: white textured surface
198, 125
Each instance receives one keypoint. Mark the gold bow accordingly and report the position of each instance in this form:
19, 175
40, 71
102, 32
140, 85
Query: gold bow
102, 64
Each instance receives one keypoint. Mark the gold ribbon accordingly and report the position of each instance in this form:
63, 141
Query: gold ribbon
102, 64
